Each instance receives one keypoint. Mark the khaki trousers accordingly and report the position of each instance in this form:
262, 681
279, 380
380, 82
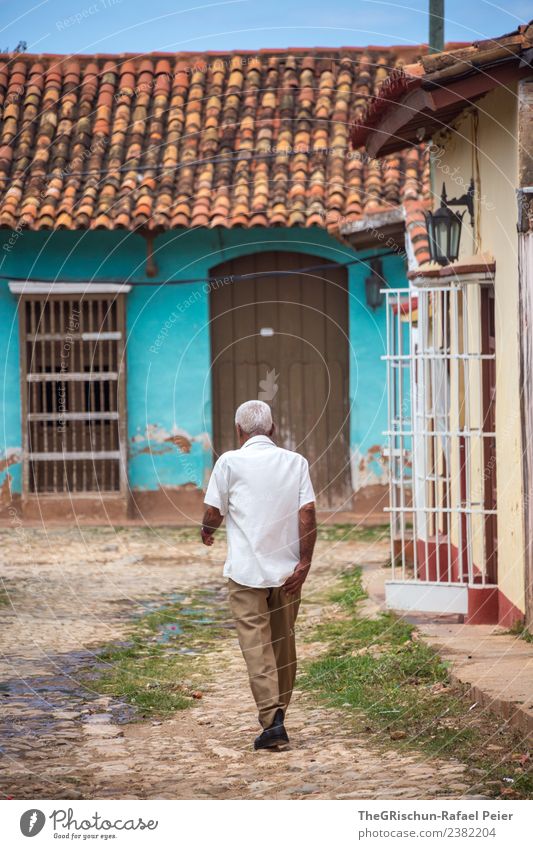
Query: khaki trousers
265, 628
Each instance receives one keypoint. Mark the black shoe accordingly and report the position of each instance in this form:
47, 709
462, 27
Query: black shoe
274, 737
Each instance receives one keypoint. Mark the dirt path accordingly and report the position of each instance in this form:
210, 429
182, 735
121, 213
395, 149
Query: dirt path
68, 592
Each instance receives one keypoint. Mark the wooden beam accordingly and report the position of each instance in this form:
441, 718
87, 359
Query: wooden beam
400, 115
389, 237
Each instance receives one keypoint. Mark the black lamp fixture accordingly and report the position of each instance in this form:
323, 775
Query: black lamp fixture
444, 226
374, 283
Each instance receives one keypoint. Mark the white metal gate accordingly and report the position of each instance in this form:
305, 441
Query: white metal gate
441, 445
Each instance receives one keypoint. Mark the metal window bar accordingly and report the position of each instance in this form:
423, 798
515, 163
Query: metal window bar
437, 435
72, 367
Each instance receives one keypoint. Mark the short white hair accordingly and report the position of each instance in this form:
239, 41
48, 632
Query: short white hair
254, 417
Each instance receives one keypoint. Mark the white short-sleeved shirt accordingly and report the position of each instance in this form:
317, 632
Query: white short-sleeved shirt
259, 489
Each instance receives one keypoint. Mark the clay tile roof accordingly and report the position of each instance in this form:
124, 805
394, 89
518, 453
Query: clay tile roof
162, 141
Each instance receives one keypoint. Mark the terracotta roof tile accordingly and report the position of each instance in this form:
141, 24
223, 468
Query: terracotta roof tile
188, 140
415, 224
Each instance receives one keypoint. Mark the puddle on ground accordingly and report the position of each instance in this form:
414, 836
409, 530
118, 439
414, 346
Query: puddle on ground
197, 615
49, 709
169, 632
36, 708
158, 604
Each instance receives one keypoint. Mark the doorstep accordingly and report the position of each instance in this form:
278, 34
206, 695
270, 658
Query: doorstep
496, 665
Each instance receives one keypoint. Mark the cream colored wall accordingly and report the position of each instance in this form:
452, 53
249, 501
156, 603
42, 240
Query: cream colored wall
484, 145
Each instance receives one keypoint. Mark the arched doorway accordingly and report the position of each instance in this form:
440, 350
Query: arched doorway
284, 338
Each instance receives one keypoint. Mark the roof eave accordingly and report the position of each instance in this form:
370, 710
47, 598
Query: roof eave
429, 107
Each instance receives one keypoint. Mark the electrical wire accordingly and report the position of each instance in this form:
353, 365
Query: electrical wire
209, 280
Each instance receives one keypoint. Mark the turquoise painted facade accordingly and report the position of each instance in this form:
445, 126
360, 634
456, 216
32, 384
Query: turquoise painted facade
168, 346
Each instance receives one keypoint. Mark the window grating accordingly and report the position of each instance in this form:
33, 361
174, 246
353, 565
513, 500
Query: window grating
441, 434
73, 393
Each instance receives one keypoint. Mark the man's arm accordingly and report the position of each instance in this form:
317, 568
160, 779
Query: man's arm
216, 501
307, 534
211, 521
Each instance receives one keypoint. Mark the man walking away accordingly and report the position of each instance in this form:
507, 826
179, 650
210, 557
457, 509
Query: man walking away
265, 494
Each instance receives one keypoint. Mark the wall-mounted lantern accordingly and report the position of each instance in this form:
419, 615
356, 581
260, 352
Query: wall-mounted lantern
444, 226
374, 283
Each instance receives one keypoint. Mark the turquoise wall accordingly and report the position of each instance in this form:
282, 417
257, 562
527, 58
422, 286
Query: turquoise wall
10, 424
168, 355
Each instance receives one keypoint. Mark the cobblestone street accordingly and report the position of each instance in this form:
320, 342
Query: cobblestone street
68, 592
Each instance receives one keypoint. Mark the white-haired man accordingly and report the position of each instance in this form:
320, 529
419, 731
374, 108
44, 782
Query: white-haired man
265, 494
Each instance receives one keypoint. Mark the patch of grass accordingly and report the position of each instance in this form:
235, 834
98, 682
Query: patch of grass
187, 533
519, 630
150, 672
4, 599
152, 683
353, 533
396, 685
349, 589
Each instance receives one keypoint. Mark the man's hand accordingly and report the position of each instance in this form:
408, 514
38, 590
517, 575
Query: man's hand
307, 534
212, 520
295, 581
207, 536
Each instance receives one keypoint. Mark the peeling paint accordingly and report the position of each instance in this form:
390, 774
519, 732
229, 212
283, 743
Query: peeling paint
368, 468
148, 449
11, 456
182, 442
178, 437
177, 456
5, 491
190, 486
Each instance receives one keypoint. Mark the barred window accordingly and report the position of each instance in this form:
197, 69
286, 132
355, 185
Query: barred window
72, 358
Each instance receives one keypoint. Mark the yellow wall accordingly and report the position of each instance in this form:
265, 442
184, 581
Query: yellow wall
484, 145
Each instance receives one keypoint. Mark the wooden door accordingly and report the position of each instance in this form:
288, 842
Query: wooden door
280, 333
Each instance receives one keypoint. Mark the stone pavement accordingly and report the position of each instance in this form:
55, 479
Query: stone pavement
69, 591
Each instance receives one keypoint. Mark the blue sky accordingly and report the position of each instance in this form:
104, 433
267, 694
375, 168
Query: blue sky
106, 26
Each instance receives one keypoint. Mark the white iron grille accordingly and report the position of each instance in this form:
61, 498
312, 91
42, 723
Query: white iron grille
441, 440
